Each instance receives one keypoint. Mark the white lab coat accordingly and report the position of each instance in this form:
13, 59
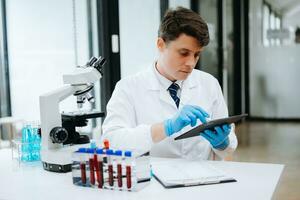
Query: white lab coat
139, 101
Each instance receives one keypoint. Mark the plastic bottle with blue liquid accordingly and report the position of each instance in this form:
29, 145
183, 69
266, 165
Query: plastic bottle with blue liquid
31, 143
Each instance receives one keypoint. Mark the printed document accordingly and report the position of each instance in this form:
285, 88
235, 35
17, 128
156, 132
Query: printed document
180, 173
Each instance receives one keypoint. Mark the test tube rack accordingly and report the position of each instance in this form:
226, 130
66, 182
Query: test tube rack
109, 169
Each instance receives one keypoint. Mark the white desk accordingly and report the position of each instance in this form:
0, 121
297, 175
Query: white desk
255, 181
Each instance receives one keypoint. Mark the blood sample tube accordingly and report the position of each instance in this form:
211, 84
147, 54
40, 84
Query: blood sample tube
99, 167
110, 154
83, 165
90, 152
128, 161
118, 154
94, 157
105, 147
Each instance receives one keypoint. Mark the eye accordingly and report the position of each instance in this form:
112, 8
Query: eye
197, 55
184, 53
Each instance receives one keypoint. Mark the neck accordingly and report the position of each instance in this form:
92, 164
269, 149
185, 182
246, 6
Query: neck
162, 72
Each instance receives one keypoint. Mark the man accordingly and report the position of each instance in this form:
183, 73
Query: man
148, 109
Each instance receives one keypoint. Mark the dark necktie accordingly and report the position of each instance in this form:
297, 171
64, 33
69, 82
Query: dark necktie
173, 92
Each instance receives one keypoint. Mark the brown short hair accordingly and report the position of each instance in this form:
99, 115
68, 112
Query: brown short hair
182, 20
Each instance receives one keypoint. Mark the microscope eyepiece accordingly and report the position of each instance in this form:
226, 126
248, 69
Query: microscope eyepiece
99, 63
89, 97
102, 61
92, 61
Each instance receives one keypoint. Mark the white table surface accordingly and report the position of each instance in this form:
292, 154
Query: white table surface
254, 181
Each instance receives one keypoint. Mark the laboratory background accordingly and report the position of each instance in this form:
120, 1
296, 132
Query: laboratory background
253, 52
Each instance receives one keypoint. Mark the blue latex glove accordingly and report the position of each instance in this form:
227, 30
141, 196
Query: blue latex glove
218, 138
187, 115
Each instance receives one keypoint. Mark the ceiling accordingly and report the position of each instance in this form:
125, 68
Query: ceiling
285, 7
290, 10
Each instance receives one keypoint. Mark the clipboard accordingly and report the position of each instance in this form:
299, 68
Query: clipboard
170, 186
210, 125
184, 173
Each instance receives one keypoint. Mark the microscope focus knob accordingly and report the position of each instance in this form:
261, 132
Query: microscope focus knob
59, 135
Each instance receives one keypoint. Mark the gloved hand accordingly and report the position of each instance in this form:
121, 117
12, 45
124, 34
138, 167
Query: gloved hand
218, 138
187, 115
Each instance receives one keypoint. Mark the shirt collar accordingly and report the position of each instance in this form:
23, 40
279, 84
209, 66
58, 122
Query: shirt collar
163, 81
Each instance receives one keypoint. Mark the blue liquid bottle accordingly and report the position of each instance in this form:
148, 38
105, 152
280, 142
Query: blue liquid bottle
25, 146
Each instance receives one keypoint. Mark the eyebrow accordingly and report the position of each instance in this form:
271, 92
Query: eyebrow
190, 50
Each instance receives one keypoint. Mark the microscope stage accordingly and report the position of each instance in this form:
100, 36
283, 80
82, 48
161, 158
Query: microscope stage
84, 114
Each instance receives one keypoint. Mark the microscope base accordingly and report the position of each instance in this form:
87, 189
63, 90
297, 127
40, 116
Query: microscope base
59, 160
57, 168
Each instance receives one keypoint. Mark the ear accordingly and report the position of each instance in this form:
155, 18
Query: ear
160, 43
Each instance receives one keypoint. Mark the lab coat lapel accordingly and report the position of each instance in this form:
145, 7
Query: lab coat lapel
187, 90
153, 84
165, 97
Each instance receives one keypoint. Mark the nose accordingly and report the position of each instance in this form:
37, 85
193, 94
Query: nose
191, 61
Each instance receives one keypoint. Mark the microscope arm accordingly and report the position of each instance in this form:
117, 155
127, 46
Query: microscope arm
49, 112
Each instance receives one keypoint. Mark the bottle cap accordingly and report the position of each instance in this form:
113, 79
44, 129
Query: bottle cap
109, 152
100, 151
106, 144
93, 144
82, 150
118, 153
90, 150
128, 153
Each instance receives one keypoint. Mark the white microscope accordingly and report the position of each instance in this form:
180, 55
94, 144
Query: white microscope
59, 136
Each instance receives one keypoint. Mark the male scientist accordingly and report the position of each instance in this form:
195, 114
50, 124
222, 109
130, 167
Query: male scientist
147, 110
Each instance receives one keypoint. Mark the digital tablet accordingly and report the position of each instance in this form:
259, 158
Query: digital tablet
210, 125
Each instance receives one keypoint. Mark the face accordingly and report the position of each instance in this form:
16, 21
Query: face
178, 58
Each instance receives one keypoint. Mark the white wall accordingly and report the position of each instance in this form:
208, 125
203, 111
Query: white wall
183, 3
41, 49
139, 21
274, 72
292, 20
